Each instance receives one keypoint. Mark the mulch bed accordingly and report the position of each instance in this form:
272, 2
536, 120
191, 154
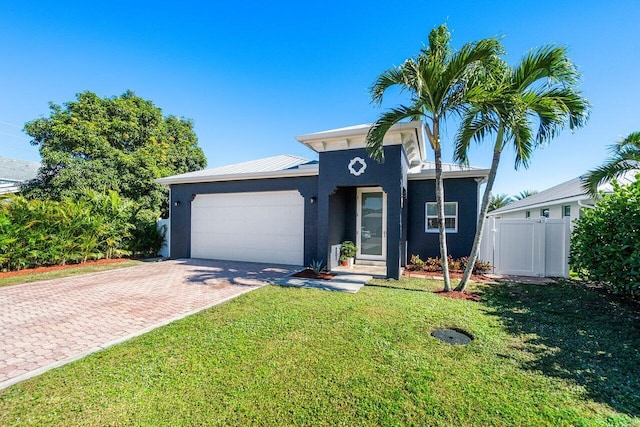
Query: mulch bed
438, 275
467, 296
309, 274
61, 267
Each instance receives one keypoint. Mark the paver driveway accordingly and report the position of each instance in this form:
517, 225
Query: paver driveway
49, 323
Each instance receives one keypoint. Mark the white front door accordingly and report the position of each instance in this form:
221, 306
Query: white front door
371, 233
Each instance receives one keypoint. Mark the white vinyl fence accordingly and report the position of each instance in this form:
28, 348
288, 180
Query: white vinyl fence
527, 247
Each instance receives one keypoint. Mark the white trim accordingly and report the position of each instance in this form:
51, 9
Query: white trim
291, 173
436, 230
359, 254
431, 174
533, 206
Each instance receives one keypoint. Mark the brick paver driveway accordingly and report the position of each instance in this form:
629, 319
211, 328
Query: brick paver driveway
49, 323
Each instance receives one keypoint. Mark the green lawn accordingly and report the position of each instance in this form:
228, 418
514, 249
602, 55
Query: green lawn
542, 355
71, 271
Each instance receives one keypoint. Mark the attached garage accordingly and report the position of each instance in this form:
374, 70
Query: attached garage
257, 226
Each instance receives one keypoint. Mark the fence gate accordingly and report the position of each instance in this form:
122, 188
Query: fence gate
527, 247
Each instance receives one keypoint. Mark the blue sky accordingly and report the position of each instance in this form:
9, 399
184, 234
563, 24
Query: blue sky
253, 75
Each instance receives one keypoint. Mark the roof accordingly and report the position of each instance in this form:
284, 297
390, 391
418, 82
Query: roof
14, 172
409, 134
270, 167
427, 170
566, 192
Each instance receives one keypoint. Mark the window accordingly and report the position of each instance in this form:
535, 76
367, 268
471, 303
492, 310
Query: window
527, 214
544, 212
566, 210
450, 217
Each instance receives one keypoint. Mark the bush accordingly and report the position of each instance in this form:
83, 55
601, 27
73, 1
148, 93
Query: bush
604, 243
433, 265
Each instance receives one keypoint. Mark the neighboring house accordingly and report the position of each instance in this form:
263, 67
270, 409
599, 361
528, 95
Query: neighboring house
14, 172
291, 210
563, 200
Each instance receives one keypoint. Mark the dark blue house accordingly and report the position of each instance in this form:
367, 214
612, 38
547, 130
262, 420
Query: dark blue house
290, 210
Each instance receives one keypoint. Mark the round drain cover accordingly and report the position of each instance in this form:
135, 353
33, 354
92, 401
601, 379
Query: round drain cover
452, 336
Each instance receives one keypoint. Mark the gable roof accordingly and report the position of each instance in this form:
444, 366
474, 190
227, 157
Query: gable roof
270, 167
566, 192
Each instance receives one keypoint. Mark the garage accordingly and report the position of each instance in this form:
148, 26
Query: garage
256, 227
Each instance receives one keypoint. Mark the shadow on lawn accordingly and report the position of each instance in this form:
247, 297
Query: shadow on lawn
582, 335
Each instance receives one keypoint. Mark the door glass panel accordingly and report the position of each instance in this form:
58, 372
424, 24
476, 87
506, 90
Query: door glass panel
371, 230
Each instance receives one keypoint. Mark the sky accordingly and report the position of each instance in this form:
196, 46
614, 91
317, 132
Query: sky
254, 74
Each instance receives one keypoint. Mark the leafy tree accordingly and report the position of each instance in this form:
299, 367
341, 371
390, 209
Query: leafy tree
625, 156
524, 194
604, 242
525, 106
498, 201
121, 143
438, 81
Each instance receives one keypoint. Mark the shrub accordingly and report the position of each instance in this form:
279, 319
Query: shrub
348, 249
604, 243
416, 263
433, 265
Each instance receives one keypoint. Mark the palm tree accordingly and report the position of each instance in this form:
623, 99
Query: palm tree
498, 201
541, 93
437, 81
625, 157
524, 194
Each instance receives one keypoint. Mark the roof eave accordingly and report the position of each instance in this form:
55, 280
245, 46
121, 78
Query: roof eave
546, 203
431, 174
292, 173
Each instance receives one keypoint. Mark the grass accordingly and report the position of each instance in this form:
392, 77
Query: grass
542, 355
67, 272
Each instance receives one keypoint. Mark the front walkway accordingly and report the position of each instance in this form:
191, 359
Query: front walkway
47, 324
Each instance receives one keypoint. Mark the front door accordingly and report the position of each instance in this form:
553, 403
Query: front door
371, 233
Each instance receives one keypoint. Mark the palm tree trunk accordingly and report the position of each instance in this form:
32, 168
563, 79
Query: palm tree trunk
484, 207
441, 225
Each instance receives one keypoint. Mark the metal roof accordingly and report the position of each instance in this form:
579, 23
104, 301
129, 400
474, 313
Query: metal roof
571, 190
285, 164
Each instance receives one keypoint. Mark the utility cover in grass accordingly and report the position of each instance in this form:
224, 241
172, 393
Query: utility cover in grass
452, 336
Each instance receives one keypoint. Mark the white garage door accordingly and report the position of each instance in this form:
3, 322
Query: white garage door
256, 227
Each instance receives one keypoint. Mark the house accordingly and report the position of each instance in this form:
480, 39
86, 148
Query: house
14, 172
291, 210
563, 200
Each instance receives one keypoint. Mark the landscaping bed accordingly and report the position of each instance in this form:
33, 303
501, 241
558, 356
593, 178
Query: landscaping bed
38, 270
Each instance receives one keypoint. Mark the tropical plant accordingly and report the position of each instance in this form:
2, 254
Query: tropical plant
438, 82
316, 266
524, 194
604, 243
348, 249
525, 106
624, 157
499, 201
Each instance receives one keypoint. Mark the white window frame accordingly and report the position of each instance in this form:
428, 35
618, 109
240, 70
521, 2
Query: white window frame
427, 216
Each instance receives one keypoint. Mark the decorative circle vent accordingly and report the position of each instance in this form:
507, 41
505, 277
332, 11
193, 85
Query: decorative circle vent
357, 166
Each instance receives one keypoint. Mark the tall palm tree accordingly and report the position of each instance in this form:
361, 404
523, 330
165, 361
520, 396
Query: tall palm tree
499, 201
437, 82
525, 106
625, 156
524, 194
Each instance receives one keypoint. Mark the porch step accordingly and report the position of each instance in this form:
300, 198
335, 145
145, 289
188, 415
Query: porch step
371, 263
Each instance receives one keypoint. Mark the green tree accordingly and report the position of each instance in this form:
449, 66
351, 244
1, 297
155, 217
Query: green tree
121, 143
525, 106
604, 243
524, 194
498, 201
625, 157
438, 81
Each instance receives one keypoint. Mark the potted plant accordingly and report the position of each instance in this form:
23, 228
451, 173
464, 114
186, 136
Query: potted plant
344, 261
348, 250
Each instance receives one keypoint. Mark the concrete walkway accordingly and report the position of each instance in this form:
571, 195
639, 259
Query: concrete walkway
343, 282
47, 324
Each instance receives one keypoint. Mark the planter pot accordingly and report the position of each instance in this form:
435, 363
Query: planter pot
344, 263
350, 262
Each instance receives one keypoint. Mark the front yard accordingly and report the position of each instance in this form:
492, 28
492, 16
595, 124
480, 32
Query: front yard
542, 355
